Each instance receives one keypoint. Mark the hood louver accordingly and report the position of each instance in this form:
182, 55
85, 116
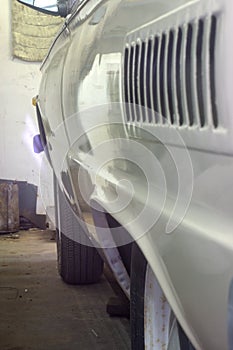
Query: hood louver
173, 74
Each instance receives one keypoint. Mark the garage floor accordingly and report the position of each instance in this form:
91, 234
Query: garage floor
38, 311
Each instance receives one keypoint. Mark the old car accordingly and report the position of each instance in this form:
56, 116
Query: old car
135, 116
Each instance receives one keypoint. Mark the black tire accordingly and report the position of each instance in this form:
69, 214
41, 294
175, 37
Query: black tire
77, 263
138, 274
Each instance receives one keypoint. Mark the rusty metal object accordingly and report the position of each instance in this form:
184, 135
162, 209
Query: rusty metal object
9, 207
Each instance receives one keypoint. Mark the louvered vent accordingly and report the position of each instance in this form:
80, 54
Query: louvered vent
173, 73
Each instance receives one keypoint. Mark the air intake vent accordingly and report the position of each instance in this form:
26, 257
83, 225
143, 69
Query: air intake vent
173, 74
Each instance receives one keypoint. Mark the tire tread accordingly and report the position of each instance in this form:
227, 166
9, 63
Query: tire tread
78, 263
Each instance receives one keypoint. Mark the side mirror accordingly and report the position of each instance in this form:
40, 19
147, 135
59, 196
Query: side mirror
50, 7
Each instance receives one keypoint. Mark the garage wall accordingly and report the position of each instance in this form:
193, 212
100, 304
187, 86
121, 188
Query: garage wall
19, 83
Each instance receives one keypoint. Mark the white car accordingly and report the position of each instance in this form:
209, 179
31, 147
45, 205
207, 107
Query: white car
135, 114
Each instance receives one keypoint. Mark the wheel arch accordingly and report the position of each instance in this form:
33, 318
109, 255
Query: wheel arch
118, 257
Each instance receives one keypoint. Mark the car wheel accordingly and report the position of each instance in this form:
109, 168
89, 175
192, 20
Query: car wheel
153, 324
78, 263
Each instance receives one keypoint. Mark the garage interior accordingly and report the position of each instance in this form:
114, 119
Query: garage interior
38, 310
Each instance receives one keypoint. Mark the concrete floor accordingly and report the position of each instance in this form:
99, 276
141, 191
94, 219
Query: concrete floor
40, 312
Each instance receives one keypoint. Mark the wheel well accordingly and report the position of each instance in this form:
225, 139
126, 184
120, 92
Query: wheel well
125, 250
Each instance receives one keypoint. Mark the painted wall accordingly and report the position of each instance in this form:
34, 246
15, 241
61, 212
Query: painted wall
19, 82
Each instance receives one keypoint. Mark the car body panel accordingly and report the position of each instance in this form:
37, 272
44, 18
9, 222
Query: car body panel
82, 103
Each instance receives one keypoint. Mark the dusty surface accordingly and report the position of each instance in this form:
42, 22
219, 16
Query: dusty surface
40, 312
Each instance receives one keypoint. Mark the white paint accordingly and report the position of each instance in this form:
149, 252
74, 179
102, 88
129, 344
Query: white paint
18, 124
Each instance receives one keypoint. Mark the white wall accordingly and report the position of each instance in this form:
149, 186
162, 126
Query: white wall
19, 82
